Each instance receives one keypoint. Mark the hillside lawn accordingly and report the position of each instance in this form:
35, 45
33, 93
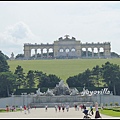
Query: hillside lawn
63, 68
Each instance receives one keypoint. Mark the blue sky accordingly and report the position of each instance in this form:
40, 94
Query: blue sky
44, 22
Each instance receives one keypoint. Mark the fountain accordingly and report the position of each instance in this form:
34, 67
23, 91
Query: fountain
61, 94
60, 89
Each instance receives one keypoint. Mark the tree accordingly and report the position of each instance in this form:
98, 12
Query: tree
116, 104
87, 78
37, 75
53, 80
44, 81
81, 80
30, 79
19, 56
7, 83
111, 75
73, 81
19, 76
48, 80
3, 63
96, 71
111, 104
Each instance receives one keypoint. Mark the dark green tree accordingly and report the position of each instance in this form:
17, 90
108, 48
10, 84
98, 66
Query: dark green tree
87, 78
4, 67
97, 73
81, 81
20, 76
37, 75
111, 75
44, 81
19, 56
30, 79
73, 81
48, 80
53, 80
7, 83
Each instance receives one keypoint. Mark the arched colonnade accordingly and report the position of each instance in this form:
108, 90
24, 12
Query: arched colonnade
65, 48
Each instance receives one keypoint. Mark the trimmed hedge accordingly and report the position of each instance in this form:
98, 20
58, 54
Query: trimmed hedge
116, 109
3, 110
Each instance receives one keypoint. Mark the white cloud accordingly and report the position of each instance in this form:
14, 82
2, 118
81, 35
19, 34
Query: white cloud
14, 37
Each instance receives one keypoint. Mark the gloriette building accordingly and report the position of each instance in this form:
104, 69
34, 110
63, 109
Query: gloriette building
68, 48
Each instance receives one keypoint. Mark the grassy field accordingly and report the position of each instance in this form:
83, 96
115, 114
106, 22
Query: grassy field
63, 68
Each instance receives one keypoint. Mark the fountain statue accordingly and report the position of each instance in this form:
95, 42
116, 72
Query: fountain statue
61, 89
49, 92
74, 92
39, 93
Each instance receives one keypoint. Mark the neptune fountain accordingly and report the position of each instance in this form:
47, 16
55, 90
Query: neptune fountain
60, 89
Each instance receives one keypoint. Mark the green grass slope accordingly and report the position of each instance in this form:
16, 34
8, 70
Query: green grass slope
63, 68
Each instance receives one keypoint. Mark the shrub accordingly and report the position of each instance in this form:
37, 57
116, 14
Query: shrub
116, 109
106, 104
116, 104
2, 110
111, 104
6, 105
108, 108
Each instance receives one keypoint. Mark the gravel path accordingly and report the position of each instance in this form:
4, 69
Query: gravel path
40, 113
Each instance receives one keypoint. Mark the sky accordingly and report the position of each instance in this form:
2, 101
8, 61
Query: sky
46, 21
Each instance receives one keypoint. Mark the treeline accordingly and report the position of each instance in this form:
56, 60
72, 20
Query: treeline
108, 75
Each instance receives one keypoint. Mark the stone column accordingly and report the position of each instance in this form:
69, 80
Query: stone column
41, 53
53, 52
98, 52
86, 52
92, 52
47, 53
27, 51
107, 50
35, 53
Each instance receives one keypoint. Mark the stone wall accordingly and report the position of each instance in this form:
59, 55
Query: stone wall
25, 99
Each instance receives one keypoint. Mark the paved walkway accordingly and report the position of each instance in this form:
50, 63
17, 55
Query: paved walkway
40, 113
